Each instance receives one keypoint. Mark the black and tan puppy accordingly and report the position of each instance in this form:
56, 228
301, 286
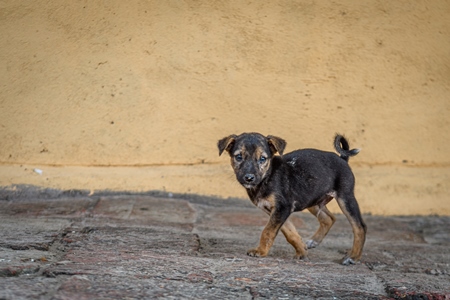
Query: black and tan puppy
302, 179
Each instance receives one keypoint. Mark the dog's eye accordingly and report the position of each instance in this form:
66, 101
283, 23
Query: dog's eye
262, 159
238, 157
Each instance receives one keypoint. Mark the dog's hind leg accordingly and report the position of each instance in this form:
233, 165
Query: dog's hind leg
290, 233
326, 220
350, 208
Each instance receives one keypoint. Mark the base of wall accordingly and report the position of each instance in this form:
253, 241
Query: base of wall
380, 190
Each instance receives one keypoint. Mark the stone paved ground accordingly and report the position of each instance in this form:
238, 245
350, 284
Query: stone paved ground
75, 246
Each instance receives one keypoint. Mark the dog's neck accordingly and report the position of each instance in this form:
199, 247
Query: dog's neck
260, 190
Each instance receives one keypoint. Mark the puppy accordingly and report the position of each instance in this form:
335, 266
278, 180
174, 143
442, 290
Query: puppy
302, 179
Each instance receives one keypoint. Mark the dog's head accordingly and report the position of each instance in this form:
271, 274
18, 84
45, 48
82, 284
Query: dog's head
251, 155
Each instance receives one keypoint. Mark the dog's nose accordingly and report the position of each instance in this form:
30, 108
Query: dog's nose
249, 177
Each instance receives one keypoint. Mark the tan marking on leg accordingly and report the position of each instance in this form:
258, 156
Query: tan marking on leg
270, 231
288, 229
326, 220
293, 238
267, 238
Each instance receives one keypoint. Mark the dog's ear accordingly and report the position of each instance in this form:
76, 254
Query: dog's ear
226, 143
276, 144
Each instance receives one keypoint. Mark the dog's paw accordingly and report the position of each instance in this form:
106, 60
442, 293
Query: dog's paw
301, 253
301, 256
348, 261
311, 244
256, 253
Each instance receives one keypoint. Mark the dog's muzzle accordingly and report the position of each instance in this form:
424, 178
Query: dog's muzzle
248, 181
249, 178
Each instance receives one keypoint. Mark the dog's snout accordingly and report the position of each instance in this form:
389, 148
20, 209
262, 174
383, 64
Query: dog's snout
249, 177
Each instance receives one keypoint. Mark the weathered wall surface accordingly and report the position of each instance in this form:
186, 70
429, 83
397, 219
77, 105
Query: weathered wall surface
95, 92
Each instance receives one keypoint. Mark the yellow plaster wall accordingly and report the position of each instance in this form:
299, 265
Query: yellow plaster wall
133, 95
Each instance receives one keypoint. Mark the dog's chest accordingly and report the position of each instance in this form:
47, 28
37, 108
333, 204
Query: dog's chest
267, 204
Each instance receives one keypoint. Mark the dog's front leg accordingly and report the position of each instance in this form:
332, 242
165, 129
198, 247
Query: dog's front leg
276, 220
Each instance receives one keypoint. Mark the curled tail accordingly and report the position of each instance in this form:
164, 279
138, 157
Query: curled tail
342, 147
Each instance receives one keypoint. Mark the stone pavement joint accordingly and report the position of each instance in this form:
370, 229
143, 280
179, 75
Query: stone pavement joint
116, 246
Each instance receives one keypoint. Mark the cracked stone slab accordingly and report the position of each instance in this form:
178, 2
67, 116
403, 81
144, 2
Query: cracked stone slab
146, 209
70, 207
28, 287
416, 286
148, 247
171, 276
24, 262
112, 249
106, 287
30, 233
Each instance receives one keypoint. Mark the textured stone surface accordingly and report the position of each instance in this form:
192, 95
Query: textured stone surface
125, 246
